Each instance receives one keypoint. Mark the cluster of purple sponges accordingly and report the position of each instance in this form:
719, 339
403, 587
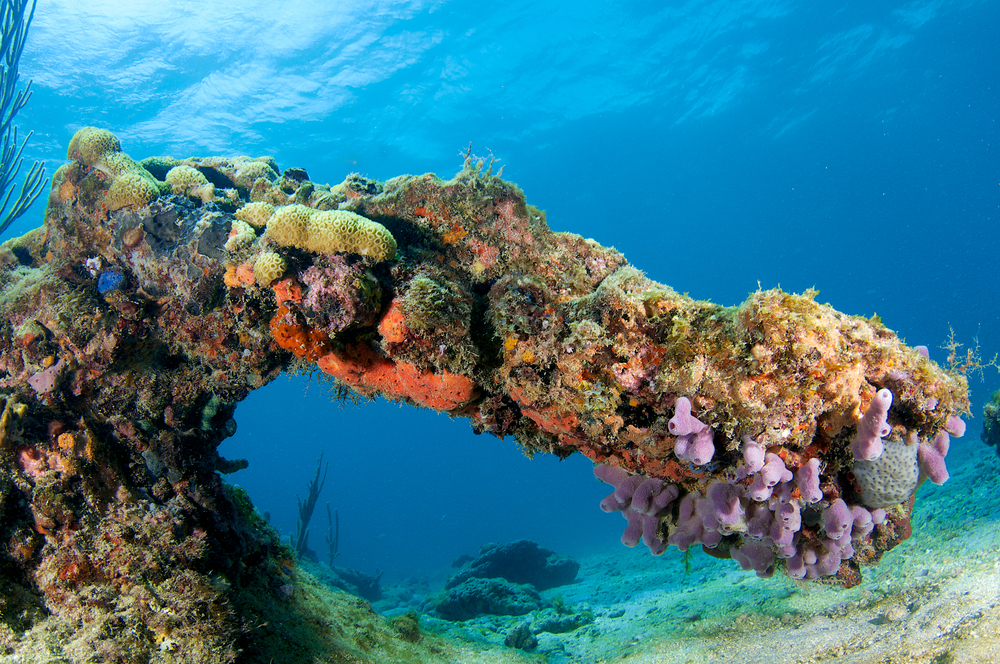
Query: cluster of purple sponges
873, 427
641, 500
767, 515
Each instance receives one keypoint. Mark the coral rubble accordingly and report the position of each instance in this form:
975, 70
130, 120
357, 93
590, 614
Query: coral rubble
144, 310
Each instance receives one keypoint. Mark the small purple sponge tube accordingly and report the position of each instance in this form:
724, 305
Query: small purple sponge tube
726, 508
683, 423
867, 444
931, 457
695, 441
955, 425
837, 519
807, 478
759, 520
689, 527
774, 471
862, 522
756, 556
753, 457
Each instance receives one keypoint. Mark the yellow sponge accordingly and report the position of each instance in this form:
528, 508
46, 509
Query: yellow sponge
330, 231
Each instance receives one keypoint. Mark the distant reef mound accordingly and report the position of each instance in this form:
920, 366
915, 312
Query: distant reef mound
160, 292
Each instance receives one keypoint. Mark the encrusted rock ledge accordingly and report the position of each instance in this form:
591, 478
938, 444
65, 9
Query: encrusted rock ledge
159, 293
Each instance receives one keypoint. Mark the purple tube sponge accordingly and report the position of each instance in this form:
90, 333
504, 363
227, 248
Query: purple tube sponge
640, 499
753, 458
787, 522
689, 526
725, 503
692, 514
774, 471
955, 425
759, 520
695, 441
867, 444
931, 457
683, 423
863, 524
757, 556
653, 496
837, 519
807, 477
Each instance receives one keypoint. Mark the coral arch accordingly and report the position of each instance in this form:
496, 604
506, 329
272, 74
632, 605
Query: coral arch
114, 400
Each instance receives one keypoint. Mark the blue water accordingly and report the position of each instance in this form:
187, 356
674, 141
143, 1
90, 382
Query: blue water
848, 146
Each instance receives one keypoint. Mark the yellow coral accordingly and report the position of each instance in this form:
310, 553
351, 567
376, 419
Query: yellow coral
131, 184
288, 225
330, 231
268, 267
189, 181
255, 214
131, 189
250, 170
91, 143
242, 235
185, 176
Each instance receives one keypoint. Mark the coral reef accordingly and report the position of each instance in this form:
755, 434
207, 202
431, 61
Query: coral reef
737, 428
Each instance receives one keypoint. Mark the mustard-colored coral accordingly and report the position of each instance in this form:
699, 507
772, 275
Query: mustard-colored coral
185, 176
255, 214
131, 189
250, 170
131, 184
268, 267
330, 231
189, 181
91, 143
241, 236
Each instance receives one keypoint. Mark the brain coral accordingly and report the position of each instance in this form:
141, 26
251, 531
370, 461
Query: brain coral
330, 231
189, 181
131, 184
255, 214
268, 267
250, 170
91, 143
241, 236
892, 478
159, 166
131, 189
185, 176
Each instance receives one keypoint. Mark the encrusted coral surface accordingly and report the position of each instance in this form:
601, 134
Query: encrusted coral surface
114, 402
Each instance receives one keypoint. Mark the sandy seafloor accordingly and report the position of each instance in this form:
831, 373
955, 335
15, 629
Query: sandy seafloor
935, 598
